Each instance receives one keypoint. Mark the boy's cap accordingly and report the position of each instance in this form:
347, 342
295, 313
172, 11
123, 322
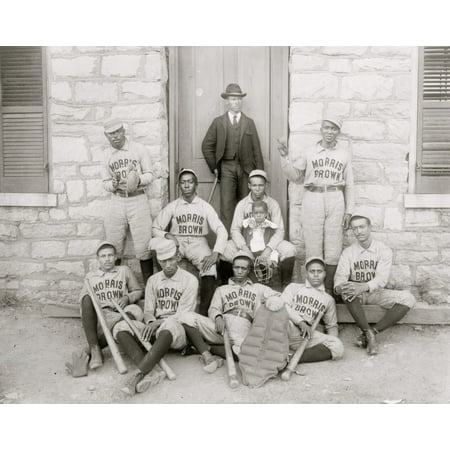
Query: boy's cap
258, 173
314, 259
112, 125
104, 244
164, 248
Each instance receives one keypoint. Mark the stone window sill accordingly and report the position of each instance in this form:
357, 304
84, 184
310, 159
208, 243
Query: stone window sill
426, 201
37, 200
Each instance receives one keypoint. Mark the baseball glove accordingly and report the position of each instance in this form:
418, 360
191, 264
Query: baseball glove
132, 180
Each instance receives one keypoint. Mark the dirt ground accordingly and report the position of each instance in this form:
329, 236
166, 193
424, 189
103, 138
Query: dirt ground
413, 366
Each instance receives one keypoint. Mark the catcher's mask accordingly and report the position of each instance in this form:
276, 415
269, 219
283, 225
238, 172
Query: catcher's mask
263, 270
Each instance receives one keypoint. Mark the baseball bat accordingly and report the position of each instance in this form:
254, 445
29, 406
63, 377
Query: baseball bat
212, 189
164, 366
286, 374
231, 368
121, 367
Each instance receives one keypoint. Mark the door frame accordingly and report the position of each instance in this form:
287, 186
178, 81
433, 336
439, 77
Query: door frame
280, 60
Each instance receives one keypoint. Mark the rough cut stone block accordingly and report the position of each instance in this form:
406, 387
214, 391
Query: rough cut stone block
8, 232
54, 50
434, 290
14, 249
391, 51
305, 49
121, 65
36, 285
151, 131
339, 65
95, 209
61, 91
383, 110
382, 152
339, 109
398, 130
445, 256
344, 51
374, 213
153, 66
397, 173
436, 270
393, 219
57, 214
417, 217
139, 111
367, 87
400, 277
367, 171
302, 63
305, 113
80, 66
75, 190
90, 229
374, 193
363, 129
48, 249
94, 188
13, 214
360, 110
403, 87
71, 285
41, 230
299, 142
439, 239
82, 247
63, 112
91, 171
58, 187
142, 89
93, 92
309, 86
44, 216
383, 64
416, 257
403, 240
69, 149
64, 171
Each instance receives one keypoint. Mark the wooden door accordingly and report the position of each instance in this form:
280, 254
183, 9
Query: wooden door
198, 75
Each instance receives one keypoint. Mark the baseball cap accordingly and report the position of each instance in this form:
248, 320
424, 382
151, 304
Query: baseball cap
183, 170
314, 259
258, 173
105, 244
360, 215
165, 248
112, 125
334, 120
242, 254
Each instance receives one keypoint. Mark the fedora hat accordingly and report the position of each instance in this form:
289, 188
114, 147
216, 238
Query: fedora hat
233, 90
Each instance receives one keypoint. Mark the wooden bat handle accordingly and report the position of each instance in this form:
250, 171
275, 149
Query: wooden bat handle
286, 374
121, 367
231, 368
212, 190
169, 372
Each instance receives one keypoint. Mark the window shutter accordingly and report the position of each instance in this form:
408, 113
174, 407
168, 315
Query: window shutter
23, 120
433, 162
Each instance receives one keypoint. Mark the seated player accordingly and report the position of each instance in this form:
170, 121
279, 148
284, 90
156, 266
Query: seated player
108, 281
233, 307
303, 303
189, 219
168, 294
362, 274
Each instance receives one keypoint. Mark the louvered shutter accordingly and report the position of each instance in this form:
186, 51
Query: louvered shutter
433, 161
23, 128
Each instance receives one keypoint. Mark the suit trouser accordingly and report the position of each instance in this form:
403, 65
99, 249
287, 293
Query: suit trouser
132, 211
233, 187
322, 217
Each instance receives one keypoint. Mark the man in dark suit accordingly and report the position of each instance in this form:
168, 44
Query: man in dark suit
232, 150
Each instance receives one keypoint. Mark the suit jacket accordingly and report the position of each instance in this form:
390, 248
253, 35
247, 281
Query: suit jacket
213, 145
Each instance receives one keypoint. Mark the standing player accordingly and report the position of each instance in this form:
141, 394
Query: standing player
233, 306
232, 150
190, 219
168, 294
303, 303
326, 171
257, 185
108, 281
362, 274
126, 164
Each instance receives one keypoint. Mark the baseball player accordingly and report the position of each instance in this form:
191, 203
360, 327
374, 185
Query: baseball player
190, 219
303, 303
257, 185
362, 274
168, 294
127, 172
233, 306
327, 175
108, 281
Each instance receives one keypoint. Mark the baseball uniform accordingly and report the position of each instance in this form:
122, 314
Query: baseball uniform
117, 283
128, 209
304, 303
190, 223
237, 304
371, 266
329, 194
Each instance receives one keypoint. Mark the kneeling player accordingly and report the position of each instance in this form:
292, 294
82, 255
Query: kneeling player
168, 294
303, 303
233, 307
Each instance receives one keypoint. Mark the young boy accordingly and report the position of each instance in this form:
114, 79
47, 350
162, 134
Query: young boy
108, 281
303, 303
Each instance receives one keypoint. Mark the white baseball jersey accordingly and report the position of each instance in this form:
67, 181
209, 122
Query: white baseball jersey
170, 297
245, 297
193, 219
371, 265
304, 303
318, 166
115, 284
117, 161
244, 210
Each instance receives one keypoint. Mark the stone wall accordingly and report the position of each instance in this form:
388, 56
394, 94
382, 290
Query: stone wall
370, 88
45, 252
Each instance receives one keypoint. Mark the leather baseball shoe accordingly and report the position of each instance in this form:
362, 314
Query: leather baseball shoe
372, 344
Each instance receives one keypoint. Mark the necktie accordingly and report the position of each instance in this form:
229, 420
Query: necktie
235, 122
